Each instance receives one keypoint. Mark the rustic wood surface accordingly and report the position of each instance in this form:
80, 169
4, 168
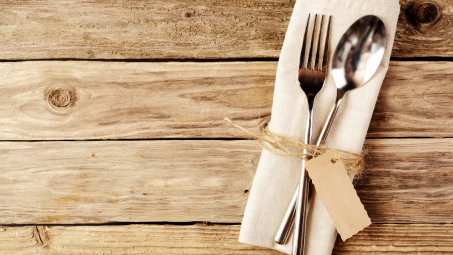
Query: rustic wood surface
80, 182
209, 239
409, 180
186, 29
398, 240
154, 184
108, 100
129, 239
125, 181
423, 29
415, 101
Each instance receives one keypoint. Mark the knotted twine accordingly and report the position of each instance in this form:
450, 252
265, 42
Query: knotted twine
280, 145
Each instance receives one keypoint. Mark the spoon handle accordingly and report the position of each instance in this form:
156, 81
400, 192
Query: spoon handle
288, 220
330, 119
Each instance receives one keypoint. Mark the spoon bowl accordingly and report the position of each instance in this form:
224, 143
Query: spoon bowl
358, 54
356, 58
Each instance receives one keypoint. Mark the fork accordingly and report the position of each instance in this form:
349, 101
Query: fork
312, 75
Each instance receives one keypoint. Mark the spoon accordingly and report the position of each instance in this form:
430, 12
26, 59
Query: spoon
356, 58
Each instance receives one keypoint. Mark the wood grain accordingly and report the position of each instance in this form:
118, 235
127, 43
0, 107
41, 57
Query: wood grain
125, 181
129, 239
423, 29
416, 99
109, 100
78, 182
142, 29
391, 239
408, 180
183, 29
209, 239
75, 100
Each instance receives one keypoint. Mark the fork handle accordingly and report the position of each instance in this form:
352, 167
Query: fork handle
298, 247
288, 220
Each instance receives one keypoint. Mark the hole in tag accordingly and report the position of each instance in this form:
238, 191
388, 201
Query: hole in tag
333, 161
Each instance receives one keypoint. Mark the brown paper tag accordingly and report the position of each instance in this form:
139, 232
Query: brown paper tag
336, 191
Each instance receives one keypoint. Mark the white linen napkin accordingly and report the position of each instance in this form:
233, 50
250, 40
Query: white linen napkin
277, 177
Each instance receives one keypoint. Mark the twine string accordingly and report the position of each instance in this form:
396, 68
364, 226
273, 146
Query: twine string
284, 146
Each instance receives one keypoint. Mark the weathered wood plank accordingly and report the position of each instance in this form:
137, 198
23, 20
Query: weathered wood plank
129, 239
182, 181
409, 181
424, 29
125, 181
184, 29
398, 240
92, 100
142, 29
415, 101
208, 239
108, 100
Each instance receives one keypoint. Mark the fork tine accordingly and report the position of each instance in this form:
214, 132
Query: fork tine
326, 48
318, 63
302, 61
310, 56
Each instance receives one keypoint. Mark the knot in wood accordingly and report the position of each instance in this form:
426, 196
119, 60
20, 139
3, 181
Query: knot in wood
426, 13
60, 97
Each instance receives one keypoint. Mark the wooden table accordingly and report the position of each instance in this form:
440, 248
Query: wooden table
113, 138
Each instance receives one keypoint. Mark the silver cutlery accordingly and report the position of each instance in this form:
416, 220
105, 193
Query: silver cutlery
356, 58
312, 74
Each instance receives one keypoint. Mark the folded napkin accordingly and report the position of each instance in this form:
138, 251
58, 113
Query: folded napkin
277, 177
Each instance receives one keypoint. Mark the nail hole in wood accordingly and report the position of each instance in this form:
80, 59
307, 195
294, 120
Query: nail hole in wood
189, 14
